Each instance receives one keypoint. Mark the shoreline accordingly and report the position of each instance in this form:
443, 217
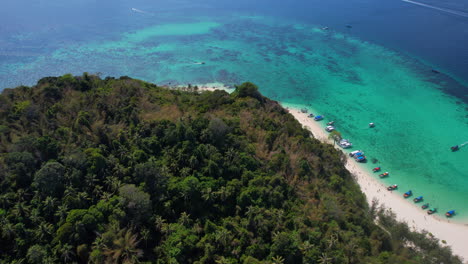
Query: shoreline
455, 234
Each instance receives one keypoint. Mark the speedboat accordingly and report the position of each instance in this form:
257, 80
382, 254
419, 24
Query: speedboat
356, 153
331, 123
450, 213
431, 211
330, 128
408, 194
455, 148
392, 187
383, 175
425, 206
344, 143
371, 125
318, 118
376, 169
325, 28
418, 199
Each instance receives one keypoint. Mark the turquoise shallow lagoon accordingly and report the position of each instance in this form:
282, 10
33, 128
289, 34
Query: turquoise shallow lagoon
348, 80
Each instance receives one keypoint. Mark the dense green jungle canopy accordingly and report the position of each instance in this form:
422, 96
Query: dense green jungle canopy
124, 171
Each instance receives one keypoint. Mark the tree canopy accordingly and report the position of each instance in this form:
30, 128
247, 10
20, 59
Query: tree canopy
123, 171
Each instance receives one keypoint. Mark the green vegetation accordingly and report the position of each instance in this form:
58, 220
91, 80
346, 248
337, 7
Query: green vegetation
123, 171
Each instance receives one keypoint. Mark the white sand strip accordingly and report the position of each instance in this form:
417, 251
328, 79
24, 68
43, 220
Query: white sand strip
455, 234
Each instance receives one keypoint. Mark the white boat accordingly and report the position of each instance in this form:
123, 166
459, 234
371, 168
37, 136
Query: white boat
330, 128
344, 143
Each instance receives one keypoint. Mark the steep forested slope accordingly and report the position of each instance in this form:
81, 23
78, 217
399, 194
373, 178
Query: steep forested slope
123, 171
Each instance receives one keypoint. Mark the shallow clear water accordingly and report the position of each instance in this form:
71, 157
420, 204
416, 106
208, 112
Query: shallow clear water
345, 78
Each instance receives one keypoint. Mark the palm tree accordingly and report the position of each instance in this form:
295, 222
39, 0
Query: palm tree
8, 230
145, 234
67, 253
277, 260
49, 205
332, 240
335, 135
184, 219
62, 211
324, 259
124, 248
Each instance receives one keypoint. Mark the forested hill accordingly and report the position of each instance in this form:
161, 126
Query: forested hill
124, 171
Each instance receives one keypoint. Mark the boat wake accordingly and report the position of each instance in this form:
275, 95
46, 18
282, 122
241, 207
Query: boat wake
454, 12
141, 11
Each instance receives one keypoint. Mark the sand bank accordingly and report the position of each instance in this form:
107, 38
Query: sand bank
455, 234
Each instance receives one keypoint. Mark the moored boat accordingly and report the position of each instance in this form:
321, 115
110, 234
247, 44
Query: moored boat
450, 213
383, 175
376, 169
431, 211
318, 118
331, 123
361, 158
408, 194
344, 143
392, 187
356, 153
371, 125
418, 199
330, 128
425, 206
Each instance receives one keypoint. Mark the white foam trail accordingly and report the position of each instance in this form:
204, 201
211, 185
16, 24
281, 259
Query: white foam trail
140, 11
458, 13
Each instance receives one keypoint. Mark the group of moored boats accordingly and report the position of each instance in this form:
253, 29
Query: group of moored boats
358, 156
426, 205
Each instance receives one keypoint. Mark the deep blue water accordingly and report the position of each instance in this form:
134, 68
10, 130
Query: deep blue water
29, 28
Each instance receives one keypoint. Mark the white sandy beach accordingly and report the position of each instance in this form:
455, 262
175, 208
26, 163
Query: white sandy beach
455, 234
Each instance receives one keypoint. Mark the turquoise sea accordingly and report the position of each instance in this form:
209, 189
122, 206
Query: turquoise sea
350, 77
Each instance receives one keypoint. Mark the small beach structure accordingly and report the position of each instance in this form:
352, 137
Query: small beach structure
344, 143
418, 199
330, 128
425, 206
431, 211
383, 175
318, 118
392, 187
408, 194
450, 213
376, 169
